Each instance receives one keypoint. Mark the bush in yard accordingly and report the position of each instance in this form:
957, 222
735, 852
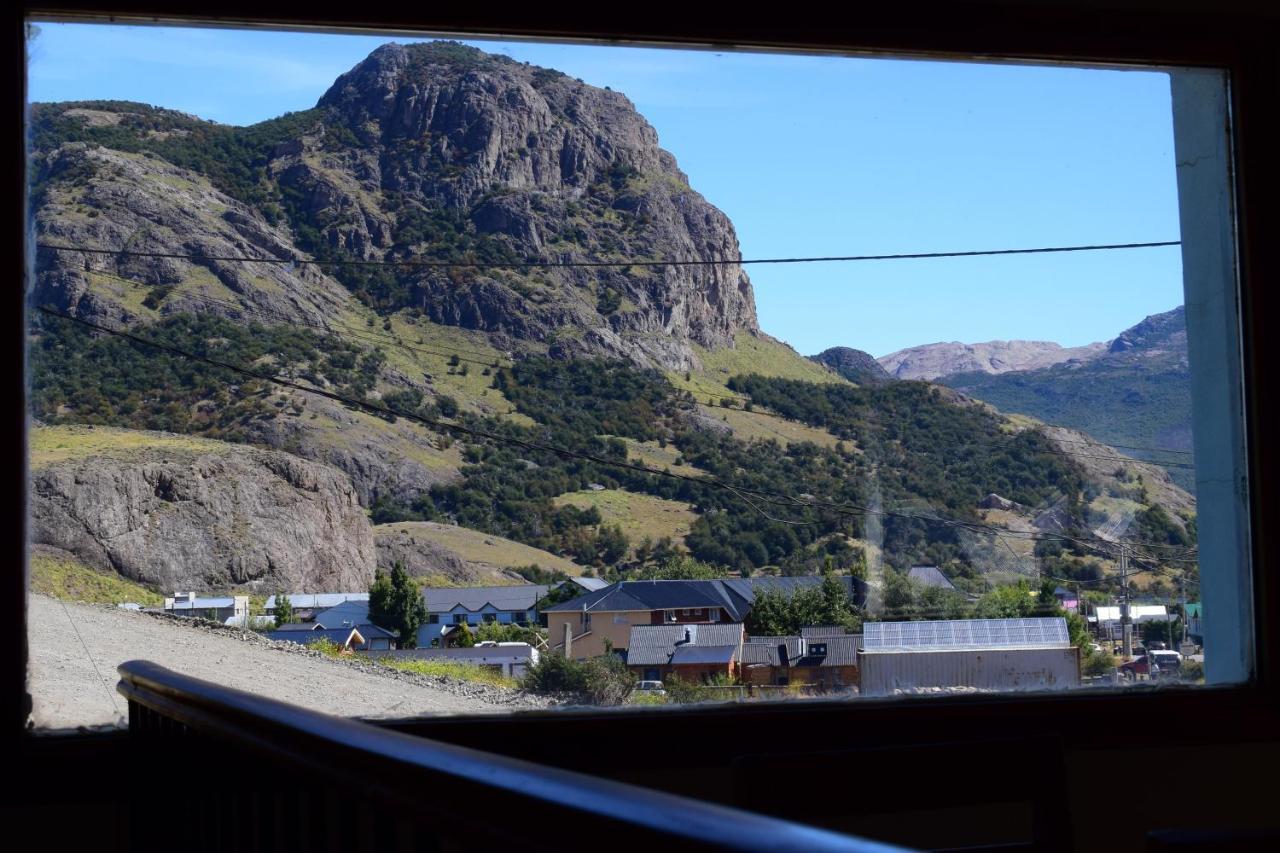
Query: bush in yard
601, 681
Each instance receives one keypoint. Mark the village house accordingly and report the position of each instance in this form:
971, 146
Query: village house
448, 607
308, 605
691, 652
372, 638
585, 623
346, 639
822, 656
228, 609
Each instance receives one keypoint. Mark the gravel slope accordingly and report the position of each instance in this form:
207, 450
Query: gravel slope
75, 649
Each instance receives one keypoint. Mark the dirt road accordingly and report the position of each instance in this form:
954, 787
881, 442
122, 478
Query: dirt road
75, 649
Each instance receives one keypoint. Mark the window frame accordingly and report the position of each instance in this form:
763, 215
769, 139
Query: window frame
1194, 34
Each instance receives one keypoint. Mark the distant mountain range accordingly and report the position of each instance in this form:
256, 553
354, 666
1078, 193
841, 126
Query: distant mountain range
930, 361
1134, 393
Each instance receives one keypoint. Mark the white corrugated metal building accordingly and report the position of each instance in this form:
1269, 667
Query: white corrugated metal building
982, 654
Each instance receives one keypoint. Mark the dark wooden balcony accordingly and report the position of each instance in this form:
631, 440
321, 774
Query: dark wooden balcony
247, 773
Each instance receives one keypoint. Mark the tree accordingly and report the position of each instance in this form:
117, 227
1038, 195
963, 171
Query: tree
284, 609
465, 638
395, 603
680, 567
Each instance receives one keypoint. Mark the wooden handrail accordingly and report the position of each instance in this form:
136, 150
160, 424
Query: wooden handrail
452, 790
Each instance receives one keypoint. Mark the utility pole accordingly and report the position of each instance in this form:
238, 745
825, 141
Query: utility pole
1126, 624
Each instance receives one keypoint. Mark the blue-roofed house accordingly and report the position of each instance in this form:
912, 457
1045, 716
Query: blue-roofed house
347, 639
610, 613
693, 652
355, 614
308, 605
451, 606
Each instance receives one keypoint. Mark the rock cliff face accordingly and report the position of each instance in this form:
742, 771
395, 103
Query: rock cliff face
98, 197
179, 519
995, 357
521, 164
854, 365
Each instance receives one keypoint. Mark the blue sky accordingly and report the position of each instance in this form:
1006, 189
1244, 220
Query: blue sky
809, 155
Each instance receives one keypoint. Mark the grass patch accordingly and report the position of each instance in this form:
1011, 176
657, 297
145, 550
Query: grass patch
451, 669
652, 455
71, 580
760, 425
750, 354
638, 515
52, 444
477, 547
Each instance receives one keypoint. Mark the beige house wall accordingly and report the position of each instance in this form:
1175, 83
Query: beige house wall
615, 627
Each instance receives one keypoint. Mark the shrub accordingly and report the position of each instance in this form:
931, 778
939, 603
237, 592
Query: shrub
601, 681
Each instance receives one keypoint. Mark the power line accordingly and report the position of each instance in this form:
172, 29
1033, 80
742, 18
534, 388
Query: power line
773, 498
386, 339
542, 264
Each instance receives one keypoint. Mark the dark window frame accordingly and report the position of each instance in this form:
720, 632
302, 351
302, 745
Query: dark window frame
1201, 33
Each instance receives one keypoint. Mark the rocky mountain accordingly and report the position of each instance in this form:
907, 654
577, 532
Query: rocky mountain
493, 405
175, 514
1136, 394
421, 153
930, 361
853, 364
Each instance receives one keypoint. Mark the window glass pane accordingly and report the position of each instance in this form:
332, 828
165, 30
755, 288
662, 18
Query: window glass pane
810, 375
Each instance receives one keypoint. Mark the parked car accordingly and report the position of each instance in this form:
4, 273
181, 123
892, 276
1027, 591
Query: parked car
654, 687
1167, 664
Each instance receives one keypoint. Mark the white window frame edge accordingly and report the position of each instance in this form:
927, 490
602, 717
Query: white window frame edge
1206, 212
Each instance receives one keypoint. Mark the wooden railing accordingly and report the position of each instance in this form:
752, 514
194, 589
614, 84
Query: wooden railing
249, 773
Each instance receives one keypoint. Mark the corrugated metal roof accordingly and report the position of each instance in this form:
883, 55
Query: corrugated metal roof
312, 600
823, 631
298, 626
521, 597
703, 655
589, 584
1043, 632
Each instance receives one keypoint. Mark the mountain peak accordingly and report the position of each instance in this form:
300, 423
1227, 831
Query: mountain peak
931, 361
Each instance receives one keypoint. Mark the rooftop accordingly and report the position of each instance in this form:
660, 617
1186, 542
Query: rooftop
655, 644
930, 576
735, 595
520, 597
958, 634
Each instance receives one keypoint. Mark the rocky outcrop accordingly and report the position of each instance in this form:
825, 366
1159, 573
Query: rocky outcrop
101, 198
853, 364
520, 163
423, 558
201, 520
931, 361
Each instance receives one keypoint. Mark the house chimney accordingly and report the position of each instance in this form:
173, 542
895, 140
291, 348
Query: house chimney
568, 639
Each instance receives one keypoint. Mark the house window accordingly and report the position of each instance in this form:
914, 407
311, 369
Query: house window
490, 617
669, 615
459, 618
433, 619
